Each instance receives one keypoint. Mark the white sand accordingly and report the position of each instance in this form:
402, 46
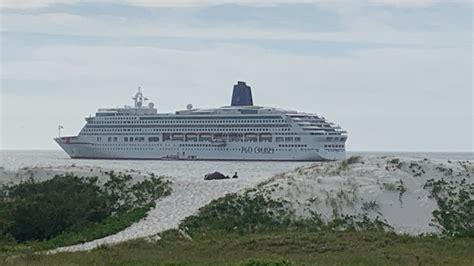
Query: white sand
185, 200
47, 172
319, 187
325, 189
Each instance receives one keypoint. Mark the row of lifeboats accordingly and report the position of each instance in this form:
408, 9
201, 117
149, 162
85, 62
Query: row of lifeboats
220, 136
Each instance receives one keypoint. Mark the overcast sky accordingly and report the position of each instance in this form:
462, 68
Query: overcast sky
396, 74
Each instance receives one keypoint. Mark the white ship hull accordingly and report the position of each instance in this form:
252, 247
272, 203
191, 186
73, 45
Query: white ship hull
233, 151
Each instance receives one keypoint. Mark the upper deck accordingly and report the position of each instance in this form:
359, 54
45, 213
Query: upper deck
237, 115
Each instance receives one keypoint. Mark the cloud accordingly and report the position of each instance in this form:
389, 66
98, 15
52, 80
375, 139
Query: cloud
28, 4
390, 91
56, 27
14, 4
388, 69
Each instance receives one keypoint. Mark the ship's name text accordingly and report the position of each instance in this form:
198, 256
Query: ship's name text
263, 150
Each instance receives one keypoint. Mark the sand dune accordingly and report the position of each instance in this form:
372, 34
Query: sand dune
185, 200
388, 188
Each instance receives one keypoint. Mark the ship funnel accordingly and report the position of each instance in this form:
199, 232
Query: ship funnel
242, 95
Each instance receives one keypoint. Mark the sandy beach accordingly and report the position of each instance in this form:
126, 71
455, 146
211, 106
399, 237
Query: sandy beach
390, 189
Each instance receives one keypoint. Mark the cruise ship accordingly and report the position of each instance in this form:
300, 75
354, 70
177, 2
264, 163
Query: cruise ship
241, 131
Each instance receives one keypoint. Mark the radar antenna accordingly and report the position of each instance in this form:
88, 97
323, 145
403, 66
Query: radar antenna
139, 99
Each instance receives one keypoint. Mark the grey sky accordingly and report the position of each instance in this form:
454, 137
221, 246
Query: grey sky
396, 74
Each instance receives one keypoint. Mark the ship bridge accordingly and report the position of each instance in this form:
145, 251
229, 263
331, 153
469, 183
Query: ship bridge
138, 109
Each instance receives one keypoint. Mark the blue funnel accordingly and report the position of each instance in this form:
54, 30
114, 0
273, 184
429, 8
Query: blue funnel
242, 95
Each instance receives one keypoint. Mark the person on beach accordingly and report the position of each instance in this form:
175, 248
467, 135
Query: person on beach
235, 175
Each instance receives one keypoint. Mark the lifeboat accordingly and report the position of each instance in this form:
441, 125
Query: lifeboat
218, 143
265, 136
219, 136
251, 136
177, 136
205, 136
235, 137
191, 136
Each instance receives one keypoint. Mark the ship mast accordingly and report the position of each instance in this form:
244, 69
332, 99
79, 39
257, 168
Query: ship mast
139, 98
59, 130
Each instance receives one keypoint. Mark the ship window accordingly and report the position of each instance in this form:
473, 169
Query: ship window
109, 139
125, 139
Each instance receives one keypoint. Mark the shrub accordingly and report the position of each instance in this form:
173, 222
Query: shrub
70, 209
394, 161
455, 213
354, 159
246, 214
343, 165
37, 211
390, 186
236, 213
370, 206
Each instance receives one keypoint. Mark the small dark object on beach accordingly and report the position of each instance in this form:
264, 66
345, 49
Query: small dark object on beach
215, 176
235, 175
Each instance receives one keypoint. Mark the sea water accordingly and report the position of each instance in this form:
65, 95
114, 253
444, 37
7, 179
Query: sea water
13, 160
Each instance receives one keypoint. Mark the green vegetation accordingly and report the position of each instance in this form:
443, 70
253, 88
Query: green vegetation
394, 161
260, 262
253, 229
401, 189
67, 209
390, 186
108, 226
254, 213
243, 214
354, 159
39, 211
272, 248
370, 206
455, 213
344, 164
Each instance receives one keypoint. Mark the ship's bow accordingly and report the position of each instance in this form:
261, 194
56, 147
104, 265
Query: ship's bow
66, 144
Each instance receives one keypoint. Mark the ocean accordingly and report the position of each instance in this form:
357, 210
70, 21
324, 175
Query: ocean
15, 159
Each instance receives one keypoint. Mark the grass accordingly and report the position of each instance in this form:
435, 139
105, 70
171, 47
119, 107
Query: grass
131, 203
279, 248
254, 213
109, 226
104, 228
